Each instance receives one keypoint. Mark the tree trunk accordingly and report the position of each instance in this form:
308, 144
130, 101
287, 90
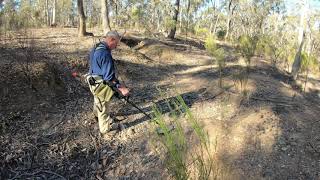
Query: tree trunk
47, 13
213, 16
82, 19
155, 16
116, 10
301, 38
54, 13
297, 61
175, 19
230, 14
159, 19
187, 26
105, 16
180, 22
302, 18
215, 24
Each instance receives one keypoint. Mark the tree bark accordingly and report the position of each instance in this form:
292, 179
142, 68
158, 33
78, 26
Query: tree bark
175, 19
215, 24
302, 18
230, 14
297, 61
159, 19
301, 38
54, 13
82, 19
180, 22
187, 26
105, 16
47, 13
116, 11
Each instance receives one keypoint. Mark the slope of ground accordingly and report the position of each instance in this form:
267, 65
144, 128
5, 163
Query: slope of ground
48, 131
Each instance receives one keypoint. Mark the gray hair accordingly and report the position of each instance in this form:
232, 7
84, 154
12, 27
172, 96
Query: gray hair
113, 34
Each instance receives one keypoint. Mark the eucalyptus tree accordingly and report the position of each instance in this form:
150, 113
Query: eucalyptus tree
54, 10
105, 16
174, 19
301, 39
82, 19
231, 6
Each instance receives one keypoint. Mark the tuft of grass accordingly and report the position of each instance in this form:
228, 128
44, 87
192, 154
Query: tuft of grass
240, 80
218, 54
182, 161
247, 47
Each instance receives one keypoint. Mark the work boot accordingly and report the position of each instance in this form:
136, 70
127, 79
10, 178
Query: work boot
117, 126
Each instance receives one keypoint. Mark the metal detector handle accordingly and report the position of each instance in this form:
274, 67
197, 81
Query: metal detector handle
116, 91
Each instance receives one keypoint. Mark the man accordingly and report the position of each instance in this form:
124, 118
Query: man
101, 76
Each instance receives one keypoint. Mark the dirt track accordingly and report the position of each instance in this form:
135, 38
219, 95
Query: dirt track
47, 129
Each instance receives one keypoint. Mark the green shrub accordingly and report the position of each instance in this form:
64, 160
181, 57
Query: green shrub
308, 62
240, 80
218, 54
247, 47
221, 34
288, 56
263, 46
180, 161
202, 32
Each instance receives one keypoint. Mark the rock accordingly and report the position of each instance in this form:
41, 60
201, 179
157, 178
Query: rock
282, 141
104, 151
285, 148
9, 157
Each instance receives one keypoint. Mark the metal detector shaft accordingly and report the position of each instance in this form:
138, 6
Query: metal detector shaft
159, 130
134, 105
120, 96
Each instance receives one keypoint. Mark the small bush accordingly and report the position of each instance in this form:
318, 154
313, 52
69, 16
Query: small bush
218, 54
263, 48
240, 80
308, 62
181, 162
247, 47
221, 34
202, 32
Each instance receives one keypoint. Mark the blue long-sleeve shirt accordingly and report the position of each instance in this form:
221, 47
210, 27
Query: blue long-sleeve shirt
101, 62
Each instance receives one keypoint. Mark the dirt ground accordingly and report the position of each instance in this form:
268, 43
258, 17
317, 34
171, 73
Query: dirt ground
47, 130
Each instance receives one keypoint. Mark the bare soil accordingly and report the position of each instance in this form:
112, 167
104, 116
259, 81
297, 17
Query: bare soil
47, 130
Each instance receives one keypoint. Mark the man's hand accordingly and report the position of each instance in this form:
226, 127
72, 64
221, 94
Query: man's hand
124, 90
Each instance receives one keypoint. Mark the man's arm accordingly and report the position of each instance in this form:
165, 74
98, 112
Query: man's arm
109, 74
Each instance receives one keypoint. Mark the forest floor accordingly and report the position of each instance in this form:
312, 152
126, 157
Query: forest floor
47, 130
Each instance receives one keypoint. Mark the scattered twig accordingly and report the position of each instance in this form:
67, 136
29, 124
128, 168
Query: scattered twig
53, 173
315, 149
61, 119
59, 122
38, 172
